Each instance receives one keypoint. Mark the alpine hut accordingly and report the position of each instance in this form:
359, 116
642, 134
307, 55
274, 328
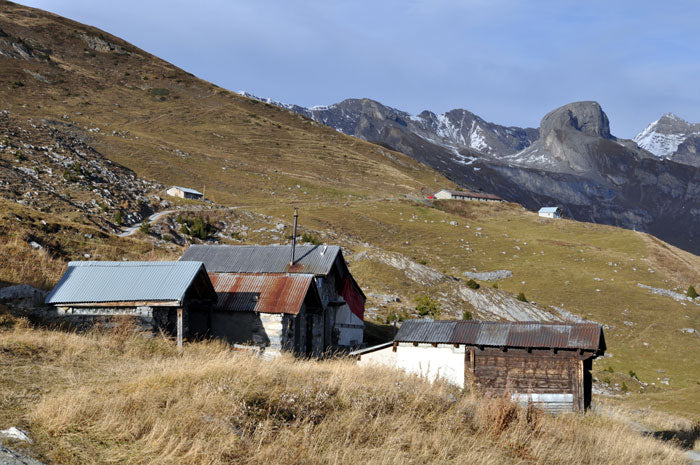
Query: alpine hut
162, 295
547, 364
342, 299
466, 195
550, 212
272, 311
185, 193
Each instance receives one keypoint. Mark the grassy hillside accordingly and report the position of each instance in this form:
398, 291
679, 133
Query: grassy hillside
116, 398
169, 127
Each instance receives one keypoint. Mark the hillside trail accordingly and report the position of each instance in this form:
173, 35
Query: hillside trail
135, 227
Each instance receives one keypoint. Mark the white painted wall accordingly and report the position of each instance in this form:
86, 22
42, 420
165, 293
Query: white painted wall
175, 192
549, 215
351, 329
444, 361
443, 194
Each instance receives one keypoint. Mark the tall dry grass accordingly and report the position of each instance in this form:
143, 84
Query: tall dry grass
22, 264
130, 399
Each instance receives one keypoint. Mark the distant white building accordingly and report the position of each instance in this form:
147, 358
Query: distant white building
466, 195
184, 193
550, 212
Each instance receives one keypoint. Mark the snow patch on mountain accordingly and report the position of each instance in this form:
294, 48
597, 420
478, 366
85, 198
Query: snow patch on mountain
476, 138
663, 136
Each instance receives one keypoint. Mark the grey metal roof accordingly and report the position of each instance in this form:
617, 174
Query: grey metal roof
188, 190
92, 281
548, 209
425, 331
313, 259
528, 334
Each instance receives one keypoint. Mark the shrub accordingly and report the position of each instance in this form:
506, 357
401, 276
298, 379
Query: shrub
609, 369
624, 387
427, 306
145, 227
311, 239
196, 227
69, 176
494, 285
521, 297
606, 380
159, 92
118, 218
467, 315
633, 375
471, 284
691, 292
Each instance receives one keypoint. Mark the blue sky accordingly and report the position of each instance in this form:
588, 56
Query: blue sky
508, 61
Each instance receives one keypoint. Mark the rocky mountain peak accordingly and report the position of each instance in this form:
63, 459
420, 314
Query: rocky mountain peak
586, 117
667, 136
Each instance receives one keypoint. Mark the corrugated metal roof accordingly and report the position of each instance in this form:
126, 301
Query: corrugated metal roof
586, 336
188, 190
92, 281
264, 293
425, 331
313, 259
548, 209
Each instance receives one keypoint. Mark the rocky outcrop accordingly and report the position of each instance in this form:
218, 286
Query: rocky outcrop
11, 457
489, 275
585, 117
23, 295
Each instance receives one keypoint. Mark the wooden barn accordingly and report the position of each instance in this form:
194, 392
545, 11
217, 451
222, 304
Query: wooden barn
162, 296
276, 312
547, 364
342, 299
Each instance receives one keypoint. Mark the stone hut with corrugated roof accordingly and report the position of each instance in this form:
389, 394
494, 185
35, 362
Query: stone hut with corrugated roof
342, 299
162, 296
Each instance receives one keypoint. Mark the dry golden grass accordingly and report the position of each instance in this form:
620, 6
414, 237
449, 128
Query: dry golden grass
97, 398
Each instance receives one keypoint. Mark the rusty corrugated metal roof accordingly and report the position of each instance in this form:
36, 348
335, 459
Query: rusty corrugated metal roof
527, 334
264, 293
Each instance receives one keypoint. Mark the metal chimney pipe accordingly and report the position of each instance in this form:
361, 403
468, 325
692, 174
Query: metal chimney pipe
294, 235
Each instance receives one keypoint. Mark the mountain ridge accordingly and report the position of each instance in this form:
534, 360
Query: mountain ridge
572, 160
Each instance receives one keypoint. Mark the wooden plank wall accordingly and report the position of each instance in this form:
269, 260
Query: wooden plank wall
519, 371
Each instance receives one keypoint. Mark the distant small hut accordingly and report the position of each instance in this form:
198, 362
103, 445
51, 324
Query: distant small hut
161, 295
466, 195
550, 212
184, 193
547, 364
